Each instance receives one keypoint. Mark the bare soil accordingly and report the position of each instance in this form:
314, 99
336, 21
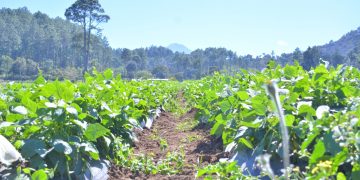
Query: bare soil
199, 147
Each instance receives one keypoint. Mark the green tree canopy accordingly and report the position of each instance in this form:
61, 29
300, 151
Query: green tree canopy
89, 14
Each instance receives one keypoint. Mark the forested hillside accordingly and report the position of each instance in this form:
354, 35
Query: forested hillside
345, 45
33, 41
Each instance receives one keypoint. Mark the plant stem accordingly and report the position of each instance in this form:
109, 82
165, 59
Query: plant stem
67, 169
273, 91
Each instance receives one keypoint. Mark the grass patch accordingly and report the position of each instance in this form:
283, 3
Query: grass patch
190, 138
154, 135
177, 109
178, 106
163, 143
187, 125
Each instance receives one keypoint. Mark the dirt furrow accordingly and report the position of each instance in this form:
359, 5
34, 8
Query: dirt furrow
171, 134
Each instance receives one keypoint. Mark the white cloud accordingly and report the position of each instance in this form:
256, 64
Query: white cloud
282, 43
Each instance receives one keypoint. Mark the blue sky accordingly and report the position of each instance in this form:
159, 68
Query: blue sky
245, 26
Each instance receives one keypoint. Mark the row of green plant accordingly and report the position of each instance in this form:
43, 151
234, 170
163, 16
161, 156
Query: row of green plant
62, 128
321, 108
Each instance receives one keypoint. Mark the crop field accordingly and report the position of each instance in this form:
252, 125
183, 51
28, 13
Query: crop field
218, 127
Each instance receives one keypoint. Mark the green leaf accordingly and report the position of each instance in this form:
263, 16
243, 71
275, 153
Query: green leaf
94, 131
91, 150
256, 123
60, 90
39, 175
32, 147
227, 136
321, 74
62, 146
219, 118
340, 157
306, 109
271, 64
308, 140
321, 110
243, 95
290, 71
27, 170
50, 105
321, 69
71, 110
318, 152
82, 116
40, 79
30, 130
37, 162
259, 105
225, 106
20, 110
289, 120
355, 172
246, 143
340, 176
14, 117
59, 159
28, 103
348, 91
201, 172
67, 92
108, 74
3, 105
217, 129
331, 145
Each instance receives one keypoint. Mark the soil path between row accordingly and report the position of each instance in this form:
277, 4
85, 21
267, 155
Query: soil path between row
180, 135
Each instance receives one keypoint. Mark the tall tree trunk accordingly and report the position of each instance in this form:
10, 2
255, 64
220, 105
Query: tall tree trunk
84, 48
88, 43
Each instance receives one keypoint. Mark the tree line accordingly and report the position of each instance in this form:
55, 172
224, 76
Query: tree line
30, 42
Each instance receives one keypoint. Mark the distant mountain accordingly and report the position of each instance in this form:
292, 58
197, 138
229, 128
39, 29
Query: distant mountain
175, 47
346, 44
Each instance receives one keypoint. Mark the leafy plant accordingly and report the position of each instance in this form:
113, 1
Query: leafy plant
321, 110
64, 126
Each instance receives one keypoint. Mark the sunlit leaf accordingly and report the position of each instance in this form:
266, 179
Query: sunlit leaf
243, 95
39, 175
246, 142
259, 105
62, 146
308, 140
108, 74
306, 109
71, 110
94, 131
321, 110
225, 106
289, 120
50, 105
319, 151
340, 176
20, 110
